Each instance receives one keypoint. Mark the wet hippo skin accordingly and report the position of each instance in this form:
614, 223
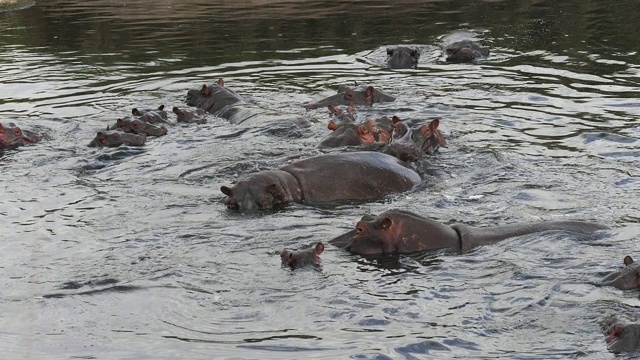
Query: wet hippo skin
403, 232
362, 175
626, 278
366, 95
622, 337
301, 258
402, 57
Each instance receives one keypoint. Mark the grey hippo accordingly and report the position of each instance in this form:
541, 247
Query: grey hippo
403, 232
362, 175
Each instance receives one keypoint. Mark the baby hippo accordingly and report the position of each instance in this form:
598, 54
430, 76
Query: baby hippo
626, 278
621, 337
296, 259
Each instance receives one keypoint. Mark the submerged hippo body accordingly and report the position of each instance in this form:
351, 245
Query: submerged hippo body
363, 175
465, 51
409, 144
116, 138
403, 232
402, 57
626, 278
367, 95
622, 337
301, 258
220, 101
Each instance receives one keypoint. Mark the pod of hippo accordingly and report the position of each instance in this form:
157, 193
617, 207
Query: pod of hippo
349, 176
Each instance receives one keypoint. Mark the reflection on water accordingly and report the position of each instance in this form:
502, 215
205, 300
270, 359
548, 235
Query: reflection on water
129, 253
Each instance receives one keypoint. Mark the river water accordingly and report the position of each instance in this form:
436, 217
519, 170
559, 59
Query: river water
129, 253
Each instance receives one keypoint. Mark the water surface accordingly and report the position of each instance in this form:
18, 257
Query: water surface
129, 253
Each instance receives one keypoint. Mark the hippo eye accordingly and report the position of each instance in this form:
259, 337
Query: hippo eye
137, 124
264, 202
359, 230
348, 96
17, 132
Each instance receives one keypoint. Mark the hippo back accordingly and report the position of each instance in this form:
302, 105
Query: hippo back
363, 175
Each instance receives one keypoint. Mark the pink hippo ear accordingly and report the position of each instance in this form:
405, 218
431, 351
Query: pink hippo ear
332, 126
319, 248
277, 191
226, 190
221, 82
368, 94
433, 126
385, 224
334, 110
628, 260
205, 90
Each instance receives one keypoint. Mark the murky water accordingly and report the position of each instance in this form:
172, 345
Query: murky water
129, 253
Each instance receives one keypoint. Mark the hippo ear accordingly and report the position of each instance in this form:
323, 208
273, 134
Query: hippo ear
385, 224
334, 110
205, 90
395, 119
425, 131
333, 126
319, 248
368, 94
135, 111
389, 51
221, 82
161, 107
628, 260
226, 190
434, 123
277, 191
414, 53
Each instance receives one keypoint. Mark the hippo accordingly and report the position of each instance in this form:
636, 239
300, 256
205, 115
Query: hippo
367, 95
138, 126
347, 133
465, 51
403, 232
115, 138
220, 101
402, 57
408, 144
11, 136
622, 337
157, 116
195, 116
626, 278
297, 259
363, 175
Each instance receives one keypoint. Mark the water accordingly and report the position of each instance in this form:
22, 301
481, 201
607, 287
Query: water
129, 253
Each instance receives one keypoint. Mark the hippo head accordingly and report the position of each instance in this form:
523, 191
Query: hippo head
204, 98
627, 278
9, 136
622, 337
408, 144
296, 259
374, 236
461, 56
107, 138
190, 116
347, 96
402, 57
262, 190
